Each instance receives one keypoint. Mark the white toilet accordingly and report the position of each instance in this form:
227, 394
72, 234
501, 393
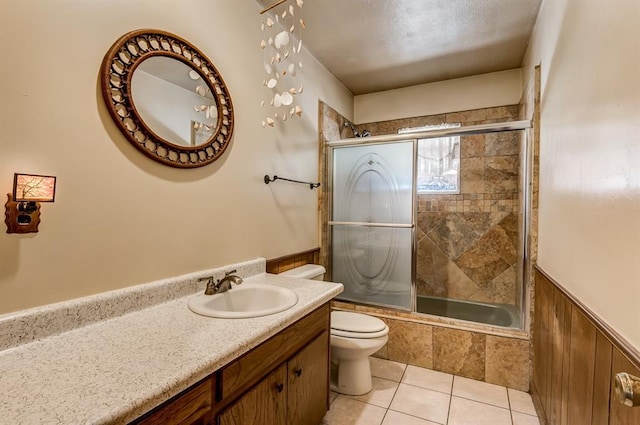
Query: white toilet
354, 337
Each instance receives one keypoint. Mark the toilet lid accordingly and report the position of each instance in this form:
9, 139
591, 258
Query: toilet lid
359, 335
356, 325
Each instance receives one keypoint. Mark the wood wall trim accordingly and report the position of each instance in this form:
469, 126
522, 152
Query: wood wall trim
614, 337
288, 262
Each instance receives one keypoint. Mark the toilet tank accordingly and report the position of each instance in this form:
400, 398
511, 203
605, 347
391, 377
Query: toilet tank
308, 271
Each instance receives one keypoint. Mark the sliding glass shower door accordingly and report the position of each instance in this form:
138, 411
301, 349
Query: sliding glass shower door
372, 222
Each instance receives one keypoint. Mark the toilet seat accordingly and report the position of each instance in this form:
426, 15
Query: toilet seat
355, 325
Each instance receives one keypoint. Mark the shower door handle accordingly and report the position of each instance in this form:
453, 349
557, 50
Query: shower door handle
367, 224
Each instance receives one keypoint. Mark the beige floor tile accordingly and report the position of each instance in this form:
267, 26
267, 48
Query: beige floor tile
480, 391
522, 419
347, 411
387, 369
521, 402
396, 418
468, 412
380, 395
332, 396
427, 378
420, 402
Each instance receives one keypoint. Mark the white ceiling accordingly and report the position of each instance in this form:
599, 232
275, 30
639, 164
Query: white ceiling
375, 45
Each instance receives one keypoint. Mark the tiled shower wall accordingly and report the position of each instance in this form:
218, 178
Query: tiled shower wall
467, 242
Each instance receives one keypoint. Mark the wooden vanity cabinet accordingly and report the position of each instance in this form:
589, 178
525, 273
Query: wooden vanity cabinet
284, 380
295, 393
289, 372
191, 407
263, 404
308, 383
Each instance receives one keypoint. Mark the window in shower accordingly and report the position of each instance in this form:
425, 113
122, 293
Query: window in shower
438, 162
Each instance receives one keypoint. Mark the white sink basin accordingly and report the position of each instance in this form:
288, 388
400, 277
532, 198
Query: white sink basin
243, 301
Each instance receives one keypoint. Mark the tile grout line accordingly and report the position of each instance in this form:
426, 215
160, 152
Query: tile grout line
450, 399
406, 366
509, 403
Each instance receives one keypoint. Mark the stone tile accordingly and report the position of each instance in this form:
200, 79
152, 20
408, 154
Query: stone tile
472, 146
499, 241
453, 236
427, 221
501, 174
467, 412
420, 402
481, 263
502, 289
387, 369
458, 352
510, 226
521, 401
431, 265
429, 379
410, 343
507, 362
389, 127
480, 391
427, 120
396, 418
482, 222
467, 116
381, 393
332, 396
347, 411
480, 296
509, 112
458, 285
381, 353
472, 175
522, 419
422, 288
502, 144
438, 276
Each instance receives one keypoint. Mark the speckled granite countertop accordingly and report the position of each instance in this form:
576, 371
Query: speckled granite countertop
117, 369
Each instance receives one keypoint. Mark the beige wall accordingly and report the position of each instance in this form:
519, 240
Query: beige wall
590, 153
461, 94
119, 218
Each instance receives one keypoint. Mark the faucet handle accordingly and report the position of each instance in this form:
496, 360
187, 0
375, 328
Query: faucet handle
230, 272
208, 279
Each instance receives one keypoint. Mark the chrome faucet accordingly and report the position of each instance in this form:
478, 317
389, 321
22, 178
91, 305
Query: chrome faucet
222, 285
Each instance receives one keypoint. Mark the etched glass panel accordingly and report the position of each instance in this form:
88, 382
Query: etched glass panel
373, 184
374, 264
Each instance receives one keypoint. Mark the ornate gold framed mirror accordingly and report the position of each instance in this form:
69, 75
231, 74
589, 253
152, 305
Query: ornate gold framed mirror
167, 98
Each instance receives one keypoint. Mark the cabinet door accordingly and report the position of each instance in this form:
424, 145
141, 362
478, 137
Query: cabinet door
308, 377
264, 404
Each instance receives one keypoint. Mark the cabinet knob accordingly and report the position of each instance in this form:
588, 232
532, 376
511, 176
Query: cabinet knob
298, 372
280, 387
627, 389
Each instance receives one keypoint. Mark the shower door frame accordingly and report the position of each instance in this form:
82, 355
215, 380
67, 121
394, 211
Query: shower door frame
412, 226
520, 125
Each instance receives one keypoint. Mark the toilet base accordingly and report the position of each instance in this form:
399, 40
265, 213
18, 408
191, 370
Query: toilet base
352, 377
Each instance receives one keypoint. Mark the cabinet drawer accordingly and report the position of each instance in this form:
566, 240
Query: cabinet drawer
185, 409
253, 366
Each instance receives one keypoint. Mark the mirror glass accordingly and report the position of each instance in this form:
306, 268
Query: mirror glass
174, 101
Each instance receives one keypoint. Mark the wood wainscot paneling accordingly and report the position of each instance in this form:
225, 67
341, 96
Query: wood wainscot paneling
288, 262
576, 357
